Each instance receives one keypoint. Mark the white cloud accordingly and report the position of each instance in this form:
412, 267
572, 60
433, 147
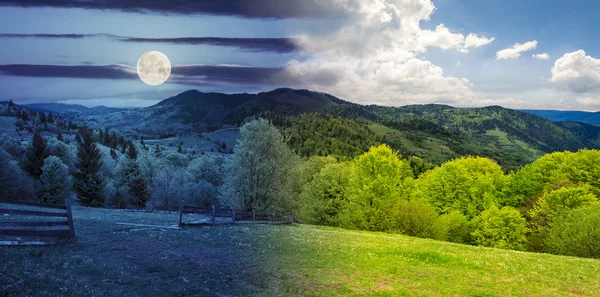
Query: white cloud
516, 50
374, 56
543, 56
577, 72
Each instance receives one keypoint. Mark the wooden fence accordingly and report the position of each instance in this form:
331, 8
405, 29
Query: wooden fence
235, 215
22, 231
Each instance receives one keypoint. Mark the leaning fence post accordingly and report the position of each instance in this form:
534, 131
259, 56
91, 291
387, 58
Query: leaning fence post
70, 218
213, 214
181, 213
253, 216
233, 215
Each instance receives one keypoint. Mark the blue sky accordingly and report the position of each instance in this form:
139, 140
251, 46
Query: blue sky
390, 52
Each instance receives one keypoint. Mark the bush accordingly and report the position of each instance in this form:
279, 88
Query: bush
456, 226
576, 233
418, 218
499, 228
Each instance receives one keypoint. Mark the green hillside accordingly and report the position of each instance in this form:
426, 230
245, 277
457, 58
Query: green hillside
119, 252
322, 261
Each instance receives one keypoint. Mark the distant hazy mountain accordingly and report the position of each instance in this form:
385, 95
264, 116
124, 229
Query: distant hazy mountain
74, 108
592, 118
584, 131
436, 132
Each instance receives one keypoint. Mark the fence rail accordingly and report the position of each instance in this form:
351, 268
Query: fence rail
235, 215
25, 232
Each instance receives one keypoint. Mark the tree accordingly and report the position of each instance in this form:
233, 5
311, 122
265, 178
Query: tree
223, 146
499, 228
130, 177
60, 136
11, 103
555, 203
36, 155
258, 171
576, 233
379, 180
325, 196
15, 184
88, 182
55, 181
157, 151
132, 151
211, 169
180, 149
469, 185
62, 151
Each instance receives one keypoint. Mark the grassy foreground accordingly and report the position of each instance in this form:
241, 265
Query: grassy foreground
112, 257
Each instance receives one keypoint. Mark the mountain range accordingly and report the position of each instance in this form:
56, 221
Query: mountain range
319, 123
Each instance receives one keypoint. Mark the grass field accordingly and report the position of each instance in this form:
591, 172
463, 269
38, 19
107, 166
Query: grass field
113, 257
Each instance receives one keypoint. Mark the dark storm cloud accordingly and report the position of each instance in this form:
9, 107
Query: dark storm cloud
230, 74
241, 8
180, 74
279, 45
68, 71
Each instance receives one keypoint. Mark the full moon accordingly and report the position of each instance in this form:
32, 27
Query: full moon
154, 68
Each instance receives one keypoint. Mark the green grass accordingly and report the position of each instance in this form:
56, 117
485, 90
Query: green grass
110, 259
321, 261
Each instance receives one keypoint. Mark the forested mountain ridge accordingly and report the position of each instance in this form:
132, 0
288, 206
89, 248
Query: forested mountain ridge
432, 131
584, 131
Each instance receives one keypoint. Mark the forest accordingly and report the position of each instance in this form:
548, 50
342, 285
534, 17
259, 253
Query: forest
550, 205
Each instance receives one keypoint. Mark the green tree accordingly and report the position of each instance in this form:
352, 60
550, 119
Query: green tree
378, 181
576, 233
469, 185
258, 172
88, 182
325, 196
499, 228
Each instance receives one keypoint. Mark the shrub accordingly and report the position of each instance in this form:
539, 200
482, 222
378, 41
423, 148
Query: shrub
500, 228
418, 218
576, 233
456, 226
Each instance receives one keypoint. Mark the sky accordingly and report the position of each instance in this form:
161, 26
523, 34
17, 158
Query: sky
467, 53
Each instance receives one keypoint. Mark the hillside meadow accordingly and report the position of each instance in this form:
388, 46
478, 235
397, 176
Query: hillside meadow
119, 252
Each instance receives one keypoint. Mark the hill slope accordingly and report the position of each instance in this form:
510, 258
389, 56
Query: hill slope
323, 261
584, 131
155, 258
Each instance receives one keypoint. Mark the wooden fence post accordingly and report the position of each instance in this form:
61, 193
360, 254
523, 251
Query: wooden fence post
181, 213
233, 215
70, 217
273, 214
253, 216
213, 214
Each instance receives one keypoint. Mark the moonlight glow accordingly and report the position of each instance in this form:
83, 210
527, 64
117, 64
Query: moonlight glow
154, 68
